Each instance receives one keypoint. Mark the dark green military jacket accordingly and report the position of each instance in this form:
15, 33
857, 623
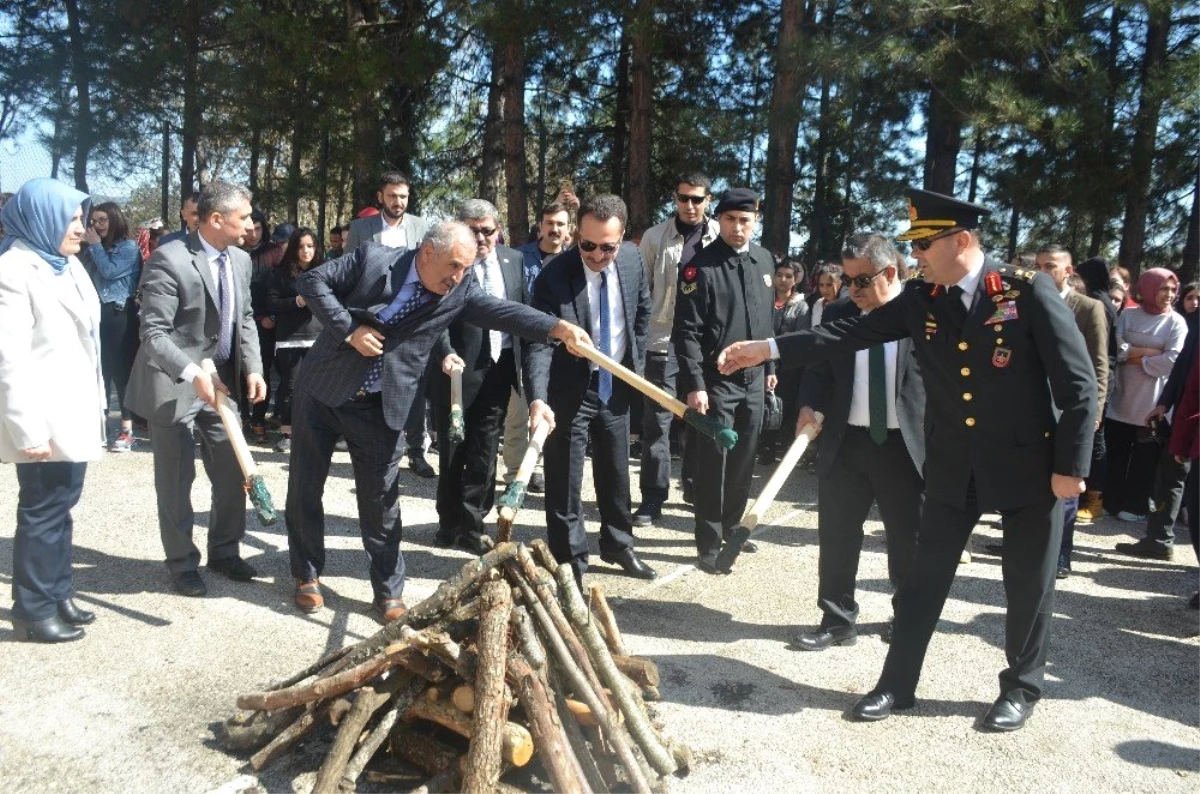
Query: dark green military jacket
992, 385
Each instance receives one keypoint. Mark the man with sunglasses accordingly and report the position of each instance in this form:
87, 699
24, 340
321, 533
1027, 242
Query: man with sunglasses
999, 352
491, 361
725, 295
599, 285
873, 445
665, 248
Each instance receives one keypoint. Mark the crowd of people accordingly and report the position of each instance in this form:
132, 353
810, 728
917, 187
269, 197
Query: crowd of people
1034, 389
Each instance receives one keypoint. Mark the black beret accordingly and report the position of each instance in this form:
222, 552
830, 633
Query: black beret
738, 198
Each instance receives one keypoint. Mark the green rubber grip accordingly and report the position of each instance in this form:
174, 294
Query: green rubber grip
514, 496
458, 427
725, 436
260, 497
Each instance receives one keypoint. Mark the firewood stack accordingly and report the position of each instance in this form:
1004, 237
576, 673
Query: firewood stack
505, 664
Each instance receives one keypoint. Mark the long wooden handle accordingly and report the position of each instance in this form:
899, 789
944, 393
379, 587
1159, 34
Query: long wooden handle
532, 453
633, 379
233, 426
456, 374
765, 499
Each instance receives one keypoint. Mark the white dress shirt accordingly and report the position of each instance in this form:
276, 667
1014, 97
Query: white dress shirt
212, 254
969, 283
616, 311
394, 236
493, 285
860, 402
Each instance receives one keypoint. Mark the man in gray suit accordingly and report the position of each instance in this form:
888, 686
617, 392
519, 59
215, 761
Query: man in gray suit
873, 448
383, 311
195, 299
395, 227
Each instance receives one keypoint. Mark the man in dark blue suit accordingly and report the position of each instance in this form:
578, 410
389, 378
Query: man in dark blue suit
874, 443
383, 311
600, 285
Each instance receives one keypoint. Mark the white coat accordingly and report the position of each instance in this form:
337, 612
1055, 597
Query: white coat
51, 386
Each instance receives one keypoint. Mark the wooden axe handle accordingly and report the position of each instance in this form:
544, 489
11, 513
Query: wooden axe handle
633, 379
456, 374
233, 426
534, 451
765, 499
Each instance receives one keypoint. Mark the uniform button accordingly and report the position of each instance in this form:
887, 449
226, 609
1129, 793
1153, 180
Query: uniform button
962, 345
968, 396
999, 328
999, 340
970, 421
965, 371
1046, 434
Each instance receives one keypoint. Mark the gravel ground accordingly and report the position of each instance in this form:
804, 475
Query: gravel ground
130, 708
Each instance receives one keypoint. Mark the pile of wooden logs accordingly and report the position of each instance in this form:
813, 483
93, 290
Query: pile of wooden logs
505, 664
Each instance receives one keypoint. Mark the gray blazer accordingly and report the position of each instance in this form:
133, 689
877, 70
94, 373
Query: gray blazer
349, 291
180, 322
366, 230
828, 387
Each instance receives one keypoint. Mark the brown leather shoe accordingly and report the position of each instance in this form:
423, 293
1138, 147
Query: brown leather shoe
308, 598
389, 609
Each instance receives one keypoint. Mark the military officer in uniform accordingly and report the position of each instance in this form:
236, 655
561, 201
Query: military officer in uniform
999, 350
725, 295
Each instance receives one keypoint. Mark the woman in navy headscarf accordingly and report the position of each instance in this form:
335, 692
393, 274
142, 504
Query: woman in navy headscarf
52, 406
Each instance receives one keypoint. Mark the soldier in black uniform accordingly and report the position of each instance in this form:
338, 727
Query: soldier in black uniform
999, 351
725, 295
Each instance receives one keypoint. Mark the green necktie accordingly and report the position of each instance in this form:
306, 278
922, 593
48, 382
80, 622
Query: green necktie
877, 393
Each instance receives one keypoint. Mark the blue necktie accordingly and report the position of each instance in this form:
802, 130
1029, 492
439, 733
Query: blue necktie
225, 310
605, 339
391, 317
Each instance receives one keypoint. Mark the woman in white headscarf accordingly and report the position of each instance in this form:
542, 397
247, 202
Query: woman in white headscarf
51, 397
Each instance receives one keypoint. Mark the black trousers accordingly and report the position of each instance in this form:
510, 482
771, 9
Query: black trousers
118, 347
723, 478
374, 454
1032, 538
287, 364
655, 476
864, 473
256, 413
467, 472
42, 544
1132, 460
1099, 471
174, 449
1169, 480
564, 457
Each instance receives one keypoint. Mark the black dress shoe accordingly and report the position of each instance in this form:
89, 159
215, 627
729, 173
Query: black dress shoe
821, 639
474, 544
1147, 550
235, 568
879, 706
421, 467
444, 538
749, 547
628, 561
72, 614
1007, 714
647, 514
537, 483
709, 565
52, 629
189, 583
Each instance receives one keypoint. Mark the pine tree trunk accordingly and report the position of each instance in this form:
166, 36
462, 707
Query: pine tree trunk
621, 118
515, 182
783, 126
491, 169
1145, 125
943, 141
81, 76
641, 73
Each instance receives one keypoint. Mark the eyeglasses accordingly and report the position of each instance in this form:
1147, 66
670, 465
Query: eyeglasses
684, 198
606, 248
862, 282
482, 231
923, 245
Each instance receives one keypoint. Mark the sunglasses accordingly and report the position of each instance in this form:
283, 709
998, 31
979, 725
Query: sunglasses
862, 282
683, 198
482, 231
923, 245
607, 248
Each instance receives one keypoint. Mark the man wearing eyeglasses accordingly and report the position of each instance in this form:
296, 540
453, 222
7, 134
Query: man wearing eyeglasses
999, 352
492, 366
726, 294
665, 248
874, 443
599, 285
